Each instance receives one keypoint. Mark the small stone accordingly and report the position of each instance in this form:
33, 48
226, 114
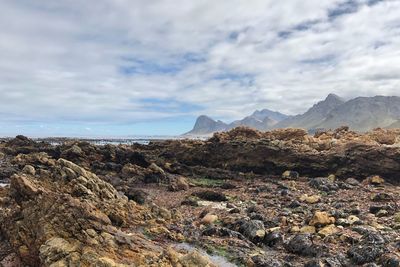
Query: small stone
332, 177
396, 217
352, 181
28, 169
377, 180
321, 218
290, 175
382, 213
307, 229
310, 199
209, 219
328, 230
353, 219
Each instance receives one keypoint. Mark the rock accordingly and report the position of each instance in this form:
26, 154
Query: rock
137, 195
179, 184
195, 259
321, 219
302, 245
210, 195
376, 180
396, 217
307, 229
381, 197
352, 181
290, 175
328, 230
23, 188
365, 253
254, 230
209, 219
323, 184
154, 174
28, 169
382, 213
55, 250
310, 199
273, 238
370, 247
390, 260
264, 261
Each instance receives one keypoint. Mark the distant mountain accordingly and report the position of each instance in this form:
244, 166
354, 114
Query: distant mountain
261, 120
360, 114
364, 113
314, 116
205, 125
273, 115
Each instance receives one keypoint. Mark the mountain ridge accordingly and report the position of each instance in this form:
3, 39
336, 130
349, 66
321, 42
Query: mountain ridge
360, 114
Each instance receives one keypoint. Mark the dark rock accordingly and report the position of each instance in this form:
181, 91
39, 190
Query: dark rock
273, 238
137, 195
265, 261
211, 195
323, 184
222, 232
254, 230
302, 245
371, 247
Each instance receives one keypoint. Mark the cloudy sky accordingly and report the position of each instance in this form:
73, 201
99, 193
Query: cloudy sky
134, 67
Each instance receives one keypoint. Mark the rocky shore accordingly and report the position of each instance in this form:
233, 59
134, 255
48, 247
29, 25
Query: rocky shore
241, 198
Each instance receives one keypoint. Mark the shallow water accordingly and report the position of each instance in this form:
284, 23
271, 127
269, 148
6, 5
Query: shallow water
217, 260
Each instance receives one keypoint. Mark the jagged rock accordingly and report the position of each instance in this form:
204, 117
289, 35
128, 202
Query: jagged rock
57, 208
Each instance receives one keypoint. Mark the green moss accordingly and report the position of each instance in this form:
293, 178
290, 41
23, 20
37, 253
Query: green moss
205, 182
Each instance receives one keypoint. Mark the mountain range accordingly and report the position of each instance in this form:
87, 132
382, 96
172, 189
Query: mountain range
360, 114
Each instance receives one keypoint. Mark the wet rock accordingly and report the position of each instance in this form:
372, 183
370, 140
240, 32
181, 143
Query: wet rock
195, 259
211, 195
254, 230
154, 174
273, 238
302, 245
369, 249
222, 232
264, 261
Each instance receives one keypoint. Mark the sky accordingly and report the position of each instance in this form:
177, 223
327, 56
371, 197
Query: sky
140, 67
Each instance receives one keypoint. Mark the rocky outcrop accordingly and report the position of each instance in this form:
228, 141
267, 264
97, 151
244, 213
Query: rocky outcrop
67, 216
340, 152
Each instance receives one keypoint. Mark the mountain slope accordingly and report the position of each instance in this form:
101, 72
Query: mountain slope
314, 116
273, 115
364, 113
205, 125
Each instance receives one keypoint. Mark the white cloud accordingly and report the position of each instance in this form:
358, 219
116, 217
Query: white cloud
65, 60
